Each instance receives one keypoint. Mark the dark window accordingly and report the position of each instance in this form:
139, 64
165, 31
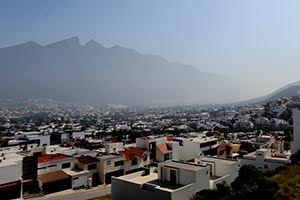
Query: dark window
92, 166
134, 161
166, 157
266, 167
207, 144
52, 165
108, 162
173, 176
66, 165
146, 157
119, 163
75, 178
41, 168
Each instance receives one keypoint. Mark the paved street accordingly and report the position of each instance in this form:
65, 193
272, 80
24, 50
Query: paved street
77, 194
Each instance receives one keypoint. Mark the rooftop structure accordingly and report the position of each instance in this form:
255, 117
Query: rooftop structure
174, 181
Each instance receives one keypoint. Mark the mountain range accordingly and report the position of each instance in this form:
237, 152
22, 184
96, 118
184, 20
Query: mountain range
92, 73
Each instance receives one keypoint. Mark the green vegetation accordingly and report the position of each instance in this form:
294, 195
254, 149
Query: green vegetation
283, 184
289, 183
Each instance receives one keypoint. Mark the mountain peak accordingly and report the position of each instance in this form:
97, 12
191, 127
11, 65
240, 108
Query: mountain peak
93, 44
72, 42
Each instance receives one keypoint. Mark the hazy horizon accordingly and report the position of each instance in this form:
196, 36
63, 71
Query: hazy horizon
253, 41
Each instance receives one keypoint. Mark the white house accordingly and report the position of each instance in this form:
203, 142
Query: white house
188, 148
54, 162
149, 143
174, 181
265, 160
135, 159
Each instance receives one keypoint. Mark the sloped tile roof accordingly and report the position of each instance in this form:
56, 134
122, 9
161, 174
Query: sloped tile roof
131, 152
164, 148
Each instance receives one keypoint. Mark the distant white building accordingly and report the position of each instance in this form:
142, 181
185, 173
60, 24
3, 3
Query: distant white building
35, 137
265, 160
78, 135
295, 145
188, 148
174, 181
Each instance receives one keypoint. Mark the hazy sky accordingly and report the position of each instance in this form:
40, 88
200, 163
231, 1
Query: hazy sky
254, 39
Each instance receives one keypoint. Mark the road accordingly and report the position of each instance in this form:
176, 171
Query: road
76, 194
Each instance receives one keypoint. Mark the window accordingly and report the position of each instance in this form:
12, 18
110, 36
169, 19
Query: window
146, 157
52, 166
108, 162
134, 161
166, 156
119, 163
75, 178
66, 165
92, 166
150, 146
41, 168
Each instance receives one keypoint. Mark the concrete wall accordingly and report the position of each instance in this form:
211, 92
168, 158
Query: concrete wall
202, 182
227, 179
10, 173
80, 180
188, 151
122, 189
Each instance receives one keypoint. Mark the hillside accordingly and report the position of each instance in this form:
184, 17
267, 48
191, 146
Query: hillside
287, 91
289, 183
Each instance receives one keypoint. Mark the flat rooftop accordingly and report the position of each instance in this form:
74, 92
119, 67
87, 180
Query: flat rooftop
151, 180
181, 165
217, 160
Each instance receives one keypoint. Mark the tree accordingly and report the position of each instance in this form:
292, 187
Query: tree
252, 183
222, 191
